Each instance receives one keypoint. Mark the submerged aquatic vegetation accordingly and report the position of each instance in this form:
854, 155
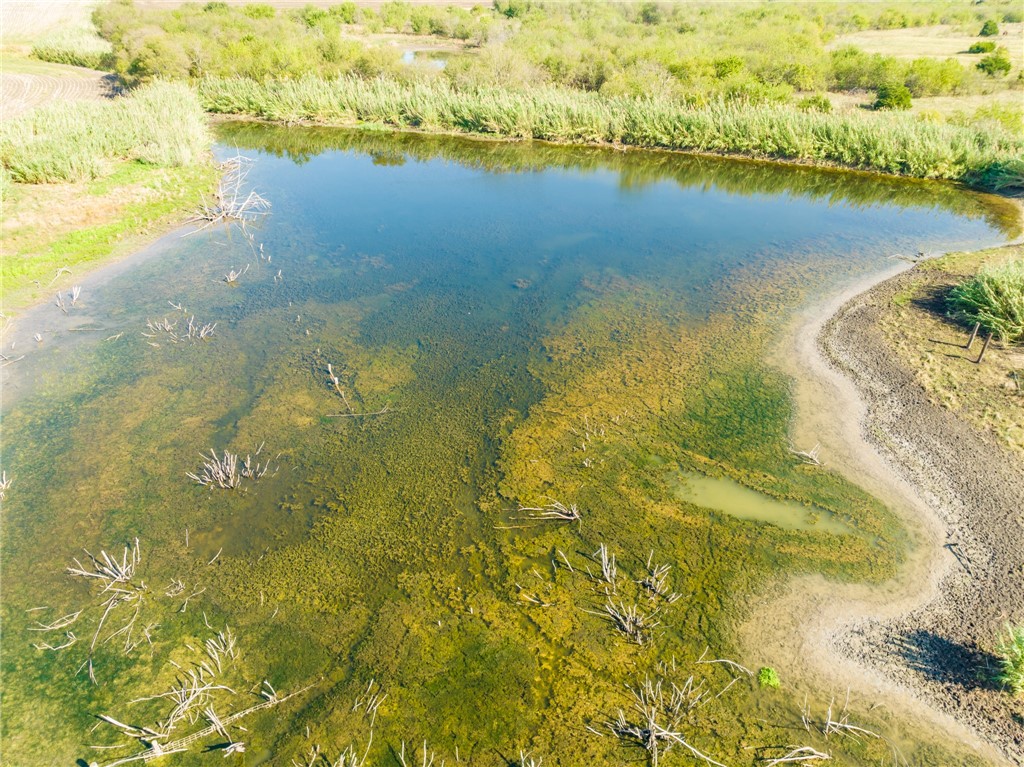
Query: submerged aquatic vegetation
386, 552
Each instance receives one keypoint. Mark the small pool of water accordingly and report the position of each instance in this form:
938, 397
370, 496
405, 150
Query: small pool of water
435, 59
730, 497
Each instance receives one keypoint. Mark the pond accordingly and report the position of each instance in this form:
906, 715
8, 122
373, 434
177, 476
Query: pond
459, 368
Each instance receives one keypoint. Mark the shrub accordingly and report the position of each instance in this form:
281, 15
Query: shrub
1011, 659
259, 11
344, 12
728, 65
994, 298
513, 9
995, 64
893, 96
1013, 17
650, 13
819, 102
986, 46
989, 29
768, 677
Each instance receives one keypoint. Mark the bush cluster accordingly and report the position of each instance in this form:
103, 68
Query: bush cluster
994, 298
688, 53
996, 64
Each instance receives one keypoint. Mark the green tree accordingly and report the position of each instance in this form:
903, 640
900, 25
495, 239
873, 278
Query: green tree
989, 28
892, 96
995, 64
650, 13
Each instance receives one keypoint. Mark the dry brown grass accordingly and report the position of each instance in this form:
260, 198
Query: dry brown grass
942, 105
940, 42
292, 4
35, 86
24, 21
933, 345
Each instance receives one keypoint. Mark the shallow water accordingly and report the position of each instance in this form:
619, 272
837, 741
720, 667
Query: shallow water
730, 497
510, 326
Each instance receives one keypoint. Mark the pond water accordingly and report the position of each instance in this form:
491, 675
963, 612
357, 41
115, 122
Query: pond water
439, 348
730, 497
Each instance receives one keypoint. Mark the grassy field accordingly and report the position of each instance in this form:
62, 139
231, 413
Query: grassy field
990, 394
940, 42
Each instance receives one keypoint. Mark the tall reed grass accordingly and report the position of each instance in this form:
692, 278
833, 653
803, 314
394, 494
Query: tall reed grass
895, 144
995, 298
78, 47
160, 124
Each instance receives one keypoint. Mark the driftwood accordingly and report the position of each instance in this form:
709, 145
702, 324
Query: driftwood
218, 725
5, 484
120, 590
797, 755
659, 711
809, 457
230, 202
552, 511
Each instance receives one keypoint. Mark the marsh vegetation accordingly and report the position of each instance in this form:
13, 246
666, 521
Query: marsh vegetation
531, 460
552, 337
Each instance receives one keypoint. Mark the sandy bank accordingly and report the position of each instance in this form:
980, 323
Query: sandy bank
917, 645
975, 489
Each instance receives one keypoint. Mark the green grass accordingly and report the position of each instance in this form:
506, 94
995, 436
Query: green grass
894, 144
132, 224
994, 298
1011, 659
161, 124
142, 161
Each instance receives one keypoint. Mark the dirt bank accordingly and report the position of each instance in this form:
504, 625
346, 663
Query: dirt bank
938, 650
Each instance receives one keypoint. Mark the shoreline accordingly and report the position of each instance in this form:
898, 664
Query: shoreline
1010, 193
915, 641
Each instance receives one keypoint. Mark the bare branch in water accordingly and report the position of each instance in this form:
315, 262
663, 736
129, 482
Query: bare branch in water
553, 511
226, 473
231, 202
657, 716
656, 580
797, 755
809, 457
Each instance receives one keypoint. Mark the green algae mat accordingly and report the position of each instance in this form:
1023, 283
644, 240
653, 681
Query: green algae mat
511, 464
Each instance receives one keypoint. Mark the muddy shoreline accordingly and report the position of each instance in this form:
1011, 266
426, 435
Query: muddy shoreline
916, 646
940, 649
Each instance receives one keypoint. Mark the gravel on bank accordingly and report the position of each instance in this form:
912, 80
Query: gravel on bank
942, 649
